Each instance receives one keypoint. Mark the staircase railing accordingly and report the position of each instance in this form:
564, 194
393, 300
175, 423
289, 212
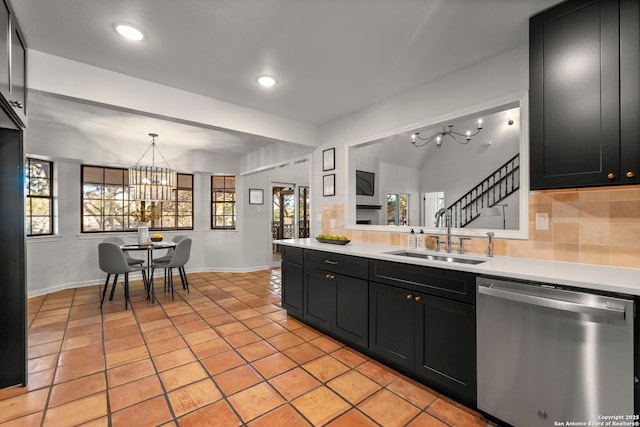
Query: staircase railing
491, 191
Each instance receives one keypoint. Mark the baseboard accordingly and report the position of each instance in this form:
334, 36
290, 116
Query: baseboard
136, 276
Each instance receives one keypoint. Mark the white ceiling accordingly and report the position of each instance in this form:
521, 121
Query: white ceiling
331, 57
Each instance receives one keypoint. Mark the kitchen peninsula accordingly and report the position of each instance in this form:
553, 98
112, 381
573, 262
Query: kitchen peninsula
427, 317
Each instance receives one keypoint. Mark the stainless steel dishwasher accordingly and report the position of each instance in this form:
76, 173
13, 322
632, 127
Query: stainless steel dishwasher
548, 354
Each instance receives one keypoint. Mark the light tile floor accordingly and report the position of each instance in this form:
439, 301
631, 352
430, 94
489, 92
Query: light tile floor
226, 354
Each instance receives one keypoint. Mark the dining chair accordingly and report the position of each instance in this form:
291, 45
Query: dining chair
179, 258
167, 257
130, 260
169, 254
112, 260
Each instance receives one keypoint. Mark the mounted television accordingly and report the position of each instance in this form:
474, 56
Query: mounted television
365, 183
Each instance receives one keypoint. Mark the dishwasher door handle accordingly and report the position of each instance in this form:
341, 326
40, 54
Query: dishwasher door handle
610, 313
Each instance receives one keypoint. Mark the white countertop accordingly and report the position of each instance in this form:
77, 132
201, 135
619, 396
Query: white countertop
588, 276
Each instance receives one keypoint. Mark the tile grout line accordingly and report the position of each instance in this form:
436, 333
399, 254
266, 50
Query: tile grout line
225, 397
248, 288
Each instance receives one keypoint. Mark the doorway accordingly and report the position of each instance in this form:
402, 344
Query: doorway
290, 214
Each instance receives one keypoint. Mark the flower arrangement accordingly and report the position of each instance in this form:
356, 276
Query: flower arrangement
146, 213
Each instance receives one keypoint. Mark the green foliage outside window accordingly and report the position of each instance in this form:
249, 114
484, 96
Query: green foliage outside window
223, 202
39, 197
107, 204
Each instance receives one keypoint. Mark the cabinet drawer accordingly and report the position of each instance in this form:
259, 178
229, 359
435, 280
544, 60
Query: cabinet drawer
292, 254
337, 263
455, 285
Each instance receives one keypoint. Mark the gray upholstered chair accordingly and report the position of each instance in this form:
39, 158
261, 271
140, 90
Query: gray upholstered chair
129, 258
169, 254
167, 257
179, 258
112, 261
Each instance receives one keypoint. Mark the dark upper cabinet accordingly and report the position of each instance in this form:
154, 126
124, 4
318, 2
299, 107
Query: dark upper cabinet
5, 18
18, 78
13, 66
583, 132
630, 91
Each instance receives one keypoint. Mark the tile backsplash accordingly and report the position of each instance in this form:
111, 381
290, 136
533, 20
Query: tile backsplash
588, 225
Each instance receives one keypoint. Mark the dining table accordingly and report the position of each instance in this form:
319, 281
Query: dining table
149, 247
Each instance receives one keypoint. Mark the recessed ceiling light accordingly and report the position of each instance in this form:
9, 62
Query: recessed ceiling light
266, 81
129, 31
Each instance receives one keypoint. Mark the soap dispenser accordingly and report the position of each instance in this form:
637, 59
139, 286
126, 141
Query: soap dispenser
421, 240
411, 240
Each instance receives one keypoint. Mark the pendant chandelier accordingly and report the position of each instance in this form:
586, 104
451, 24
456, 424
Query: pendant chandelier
438, 137
152, 183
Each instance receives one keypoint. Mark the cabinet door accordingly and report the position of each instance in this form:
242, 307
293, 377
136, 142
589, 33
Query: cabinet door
319, 297
4, 48
574, 95
391, 324
292, 288
350, 320
13, 356
629, 91
446, 345
17, 94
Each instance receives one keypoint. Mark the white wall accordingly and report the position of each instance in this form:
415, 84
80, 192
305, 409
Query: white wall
70, 258
457, 168
470, 88
53, 74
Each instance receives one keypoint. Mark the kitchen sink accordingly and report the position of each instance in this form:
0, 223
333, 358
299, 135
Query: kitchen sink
430, 257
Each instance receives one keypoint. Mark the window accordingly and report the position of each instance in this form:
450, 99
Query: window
397, 208
107, 204
39, 200
178, 214
223, 202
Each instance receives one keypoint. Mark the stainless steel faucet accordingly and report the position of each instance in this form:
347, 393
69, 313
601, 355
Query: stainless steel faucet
447, 216
490, 243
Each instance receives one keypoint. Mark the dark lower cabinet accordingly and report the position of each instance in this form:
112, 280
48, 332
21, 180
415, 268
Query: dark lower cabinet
418, 319
293, 277
338, 304
430, 336
446, 345
319, 294
392, 324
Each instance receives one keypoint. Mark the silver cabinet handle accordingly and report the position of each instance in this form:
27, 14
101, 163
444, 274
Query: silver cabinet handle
611, 313
328, 261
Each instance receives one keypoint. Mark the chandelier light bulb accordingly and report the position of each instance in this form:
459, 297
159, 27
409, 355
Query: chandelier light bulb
448, 131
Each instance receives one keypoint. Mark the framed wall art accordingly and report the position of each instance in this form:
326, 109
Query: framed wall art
329, 185
329, 159
256, 196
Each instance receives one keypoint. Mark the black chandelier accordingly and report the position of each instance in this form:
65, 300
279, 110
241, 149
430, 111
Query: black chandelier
438, 137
